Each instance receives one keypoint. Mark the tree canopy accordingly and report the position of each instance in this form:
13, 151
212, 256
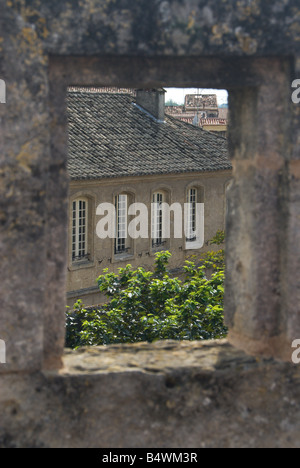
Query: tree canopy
152, 305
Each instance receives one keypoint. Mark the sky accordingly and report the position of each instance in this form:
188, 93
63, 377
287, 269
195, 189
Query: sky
177, 94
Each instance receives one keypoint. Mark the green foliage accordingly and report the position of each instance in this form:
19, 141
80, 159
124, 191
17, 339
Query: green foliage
148, 306
172, 103
214, 260
219, 238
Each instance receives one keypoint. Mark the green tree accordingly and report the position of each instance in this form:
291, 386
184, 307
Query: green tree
171, 103
147, 306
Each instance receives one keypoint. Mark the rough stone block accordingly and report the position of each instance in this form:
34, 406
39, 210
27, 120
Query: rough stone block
171, 394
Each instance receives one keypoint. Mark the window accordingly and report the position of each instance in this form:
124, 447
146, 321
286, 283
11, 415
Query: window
79, 230
191, 216
121, 224
123, 244
157, 219
194, 218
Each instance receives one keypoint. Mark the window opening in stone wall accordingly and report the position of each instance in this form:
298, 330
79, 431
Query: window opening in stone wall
79, 230
192, 218
157, 219
121, 223
135, 152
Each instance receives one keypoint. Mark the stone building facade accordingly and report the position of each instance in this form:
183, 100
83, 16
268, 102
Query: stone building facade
203, 105
201, 110
122, 147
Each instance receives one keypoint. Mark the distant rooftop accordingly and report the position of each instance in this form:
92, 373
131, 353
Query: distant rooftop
111, 89
201, 101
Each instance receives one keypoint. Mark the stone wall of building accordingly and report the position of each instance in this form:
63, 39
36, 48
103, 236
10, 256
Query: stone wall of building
83, 275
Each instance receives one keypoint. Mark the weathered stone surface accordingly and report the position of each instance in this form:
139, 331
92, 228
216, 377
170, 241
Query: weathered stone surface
257, 221
168, 27
233, 400
171, 394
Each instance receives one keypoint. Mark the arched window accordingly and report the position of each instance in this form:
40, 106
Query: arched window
194, 218
79, 229
157, 219
121, 244
191, 221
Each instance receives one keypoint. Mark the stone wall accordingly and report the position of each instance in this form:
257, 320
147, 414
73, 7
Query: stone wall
167, 395
250, 48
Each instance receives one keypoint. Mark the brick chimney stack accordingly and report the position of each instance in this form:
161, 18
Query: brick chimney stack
153, 102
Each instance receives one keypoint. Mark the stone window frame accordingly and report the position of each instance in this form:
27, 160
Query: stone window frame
167, 192
91, 209
121, 206
131, 254
259, 97
192, 199
80, 220
200, 198
157, 222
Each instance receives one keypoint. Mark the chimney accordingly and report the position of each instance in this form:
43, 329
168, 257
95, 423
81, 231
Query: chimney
153, 102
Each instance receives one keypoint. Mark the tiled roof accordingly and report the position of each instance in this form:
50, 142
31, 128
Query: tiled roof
109, 137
